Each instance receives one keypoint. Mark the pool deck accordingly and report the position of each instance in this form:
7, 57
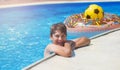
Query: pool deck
11, 2
15, 3
102, 54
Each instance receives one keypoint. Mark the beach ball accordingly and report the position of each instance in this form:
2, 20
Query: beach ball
94, 12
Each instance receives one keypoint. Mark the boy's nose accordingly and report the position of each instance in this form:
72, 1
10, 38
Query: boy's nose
60, 38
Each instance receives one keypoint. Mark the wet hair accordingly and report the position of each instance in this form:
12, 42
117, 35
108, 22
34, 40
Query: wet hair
58, 26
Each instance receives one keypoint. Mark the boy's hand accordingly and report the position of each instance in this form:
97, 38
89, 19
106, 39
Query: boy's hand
71, 43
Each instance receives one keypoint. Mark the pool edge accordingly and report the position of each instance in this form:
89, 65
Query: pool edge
44, 59
51, 2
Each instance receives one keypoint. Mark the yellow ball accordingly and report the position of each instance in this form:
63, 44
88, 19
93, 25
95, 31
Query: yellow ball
94, 12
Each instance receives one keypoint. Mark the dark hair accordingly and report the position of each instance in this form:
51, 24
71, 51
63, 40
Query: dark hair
58, 26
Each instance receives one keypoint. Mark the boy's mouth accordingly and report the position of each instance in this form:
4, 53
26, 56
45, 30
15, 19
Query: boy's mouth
60, 42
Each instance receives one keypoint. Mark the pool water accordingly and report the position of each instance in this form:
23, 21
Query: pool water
24, 31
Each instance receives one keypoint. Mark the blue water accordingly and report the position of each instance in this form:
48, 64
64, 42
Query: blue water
24, 31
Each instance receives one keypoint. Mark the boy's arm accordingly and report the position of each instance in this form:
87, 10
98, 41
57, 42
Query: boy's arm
80, 42
65, 50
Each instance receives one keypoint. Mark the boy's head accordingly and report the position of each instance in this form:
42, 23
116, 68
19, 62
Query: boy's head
58, 33
58, 26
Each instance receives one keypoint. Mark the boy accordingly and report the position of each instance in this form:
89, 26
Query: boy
60, 45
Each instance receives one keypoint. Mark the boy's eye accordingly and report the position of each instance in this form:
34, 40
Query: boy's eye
56, 35
63, 36
59, 36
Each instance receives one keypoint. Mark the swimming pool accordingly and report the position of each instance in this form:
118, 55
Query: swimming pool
24, 31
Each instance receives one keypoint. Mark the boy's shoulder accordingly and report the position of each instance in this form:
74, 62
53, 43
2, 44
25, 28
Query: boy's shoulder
49, 46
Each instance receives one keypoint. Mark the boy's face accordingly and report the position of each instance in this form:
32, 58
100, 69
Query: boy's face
58, 38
